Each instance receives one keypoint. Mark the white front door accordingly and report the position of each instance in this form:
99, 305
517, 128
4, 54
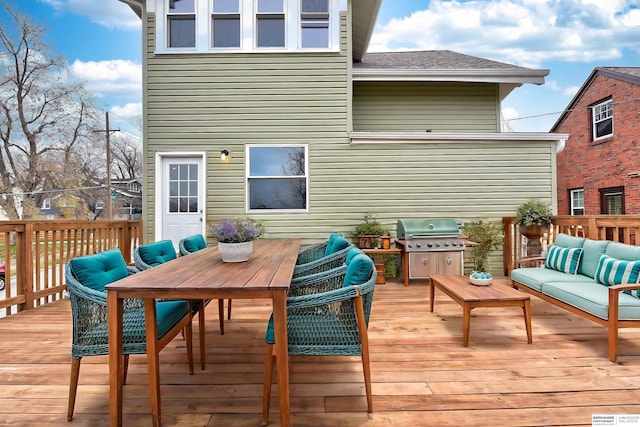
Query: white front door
182, 201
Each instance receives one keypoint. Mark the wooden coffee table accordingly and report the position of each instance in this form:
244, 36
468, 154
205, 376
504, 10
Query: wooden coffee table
468, 296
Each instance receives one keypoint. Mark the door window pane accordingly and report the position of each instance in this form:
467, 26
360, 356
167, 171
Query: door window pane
183, 188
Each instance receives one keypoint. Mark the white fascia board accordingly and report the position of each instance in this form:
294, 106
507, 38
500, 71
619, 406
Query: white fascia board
361, 138
486, 76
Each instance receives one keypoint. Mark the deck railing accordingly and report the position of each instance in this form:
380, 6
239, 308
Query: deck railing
618, 228
35, 254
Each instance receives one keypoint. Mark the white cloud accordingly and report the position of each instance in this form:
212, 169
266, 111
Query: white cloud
523, 32
108, 13
115, 77
571, 91
128, 110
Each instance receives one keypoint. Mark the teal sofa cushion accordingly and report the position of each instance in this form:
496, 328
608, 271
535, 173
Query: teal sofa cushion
534, 277
98, 270
157, 253
194, 243
623, 251
566, 241
612, 271
591, 252
592, 298
359, 270
563, 259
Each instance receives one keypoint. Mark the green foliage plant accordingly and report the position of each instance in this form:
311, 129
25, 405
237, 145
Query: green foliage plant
369, 226
487, 236
533, 212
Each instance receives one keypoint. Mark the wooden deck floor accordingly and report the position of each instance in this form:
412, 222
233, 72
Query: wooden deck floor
422, 375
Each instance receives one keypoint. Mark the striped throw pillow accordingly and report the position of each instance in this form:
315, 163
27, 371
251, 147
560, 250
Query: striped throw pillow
563, 259
613, 271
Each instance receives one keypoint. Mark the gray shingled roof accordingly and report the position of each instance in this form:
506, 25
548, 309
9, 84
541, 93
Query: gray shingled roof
631, 71
430, 60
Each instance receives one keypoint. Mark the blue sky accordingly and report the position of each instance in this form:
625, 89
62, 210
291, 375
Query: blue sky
102, 43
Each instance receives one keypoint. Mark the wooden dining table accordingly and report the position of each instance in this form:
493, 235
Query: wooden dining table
197, 276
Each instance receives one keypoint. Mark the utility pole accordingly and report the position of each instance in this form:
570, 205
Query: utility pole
107, 131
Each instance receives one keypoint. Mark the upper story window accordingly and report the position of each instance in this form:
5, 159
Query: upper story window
246, 26
270, 23
577, 201
225, 24
277, 178
602, 119
181, 23
314, 23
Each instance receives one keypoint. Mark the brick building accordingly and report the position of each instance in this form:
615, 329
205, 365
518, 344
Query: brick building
599, 169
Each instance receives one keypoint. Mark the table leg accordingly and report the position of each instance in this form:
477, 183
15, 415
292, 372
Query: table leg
282, 353
114, 314
432, 294
466, 321
527, 319
405, 267
153, 365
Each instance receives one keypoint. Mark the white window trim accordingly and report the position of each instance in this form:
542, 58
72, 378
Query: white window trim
165, 34
594, 123
573, 207
203, 9
246, 178
330, 28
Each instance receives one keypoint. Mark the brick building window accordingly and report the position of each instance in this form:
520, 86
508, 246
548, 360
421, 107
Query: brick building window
577, 201
612, 201
602, 119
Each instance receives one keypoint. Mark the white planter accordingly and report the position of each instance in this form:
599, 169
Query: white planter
235, 252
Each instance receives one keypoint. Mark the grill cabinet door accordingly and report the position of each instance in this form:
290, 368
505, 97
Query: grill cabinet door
423, 265
450, 263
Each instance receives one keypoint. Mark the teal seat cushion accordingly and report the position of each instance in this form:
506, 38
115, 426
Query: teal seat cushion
591, 252
534, 277
592, 298
98, 270
623, 251
359, 270
194, 243
563, 259
169, 313
338, 244
352, 253
566, 241
157, 253
332, 237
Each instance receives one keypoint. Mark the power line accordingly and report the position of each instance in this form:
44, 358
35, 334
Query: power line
568, 111
51, 191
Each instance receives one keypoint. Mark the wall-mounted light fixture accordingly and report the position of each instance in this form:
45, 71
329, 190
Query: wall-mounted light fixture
224, 154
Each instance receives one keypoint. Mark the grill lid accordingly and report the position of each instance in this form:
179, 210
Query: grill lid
410, 228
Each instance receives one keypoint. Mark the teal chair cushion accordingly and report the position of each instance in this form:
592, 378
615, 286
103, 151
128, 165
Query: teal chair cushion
591, 252
194, 243
168, 313
98, 270
157, 253
566, 241
338, 244
332, 237
359, 270
352, 253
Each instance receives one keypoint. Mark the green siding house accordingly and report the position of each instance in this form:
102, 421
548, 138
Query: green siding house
273, 109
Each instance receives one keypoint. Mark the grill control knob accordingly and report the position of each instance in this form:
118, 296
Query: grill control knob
429, 245
446, 244
418, 245
437, 244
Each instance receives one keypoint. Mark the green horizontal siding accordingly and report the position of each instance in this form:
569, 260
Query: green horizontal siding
416, 107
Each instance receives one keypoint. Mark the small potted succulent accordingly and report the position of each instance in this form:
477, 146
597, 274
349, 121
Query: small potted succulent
235, 237
534, 218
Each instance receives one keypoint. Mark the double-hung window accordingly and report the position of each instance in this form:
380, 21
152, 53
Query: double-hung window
181, 23
225, 24
314, 23
277, 177
602, 119
577, 201
270, 24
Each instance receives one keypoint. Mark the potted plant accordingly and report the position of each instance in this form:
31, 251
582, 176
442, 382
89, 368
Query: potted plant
534, 218
485, 237
368, 231
235, 237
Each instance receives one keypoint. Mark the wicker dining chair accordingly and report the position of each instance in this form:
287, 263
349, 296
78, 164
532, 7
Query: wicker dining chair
330, 320
335, 254
86, 278
317, 251
153, 254
196, 243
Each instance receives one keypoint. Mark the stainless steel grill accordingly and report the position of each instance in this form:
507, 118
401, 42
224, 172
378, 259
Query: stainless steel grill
433, 245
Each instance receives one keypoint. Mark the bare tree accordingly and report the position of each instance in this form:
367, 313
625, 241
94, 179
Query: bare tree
45, 118
126, 158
